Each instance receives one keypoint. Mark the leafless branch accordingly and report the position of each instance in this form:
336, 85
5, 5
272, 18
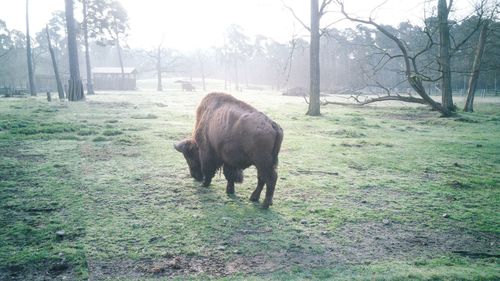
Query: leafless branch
324, 30
288, 64
414, 78
323, 6
378, 6
295, 16
480, 11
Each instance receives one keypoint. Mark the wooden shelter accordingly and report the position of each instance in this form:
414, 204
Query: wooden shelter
110, 78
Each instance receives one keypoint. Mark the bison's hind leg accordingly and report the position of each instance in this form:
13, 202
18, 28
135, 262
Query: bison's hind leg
256, 193
270, 185
232, 175
268, 177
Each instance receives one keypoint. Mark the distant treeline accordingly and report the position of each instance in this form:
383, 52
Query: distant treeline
353, 58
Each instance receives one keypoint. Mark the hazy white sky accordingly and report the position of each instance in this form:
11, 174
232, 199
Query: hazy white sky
191, 24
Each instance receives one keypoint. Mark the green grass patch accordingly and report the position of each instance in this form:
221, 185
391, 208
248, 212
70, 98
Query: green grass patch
145, 116
109, 133
86, 132
99, 139
364, 193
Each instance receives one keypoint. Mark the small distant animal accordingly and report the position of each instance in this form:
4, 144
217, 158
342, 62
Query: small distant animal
188, 87
231, 134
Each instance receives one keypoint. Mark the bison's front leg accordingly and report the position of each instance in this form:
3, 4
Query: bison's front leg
209, 165
208, 174
232, 175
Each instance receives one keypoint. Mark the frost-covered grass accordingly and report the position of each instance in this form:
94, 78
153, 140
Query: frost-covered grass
384, 192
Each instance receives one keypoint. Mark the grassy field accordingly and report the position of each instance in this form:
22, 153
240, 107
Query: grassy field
386, 192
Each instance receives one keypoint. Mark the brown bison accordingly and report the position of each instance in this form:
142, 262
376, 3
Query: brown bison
233, 135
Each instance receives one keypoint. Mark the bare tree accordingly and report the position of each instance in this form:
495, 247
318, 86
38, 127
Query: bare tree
444, 54
29, 54
157, 57
159, 86
314, 70
161, 65
317, 12
223, 57
480, 47
201, 61
108, 24
412, 73
469, 103
60, 89
237, 50
90, 87
75, 87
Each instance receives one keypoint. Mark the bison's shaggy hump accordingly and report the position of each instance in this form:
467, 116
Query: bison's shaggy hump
215, 101
230, 133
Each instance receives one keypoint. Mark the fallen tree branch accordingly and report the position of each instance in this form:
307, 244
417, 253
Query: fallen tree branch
377, 99
309, 172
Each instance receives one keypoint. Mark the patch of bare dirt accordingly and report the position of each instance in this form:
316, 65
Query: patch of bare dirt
106, 152
161, 268
21, 154
91, 152
356, 243
420, 115
365, 242
49, 271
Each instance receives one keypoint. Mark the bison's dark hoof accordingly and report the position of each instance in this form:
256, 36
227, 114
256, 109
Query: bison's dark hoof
206, 183
254, 198
230, 190
267, 203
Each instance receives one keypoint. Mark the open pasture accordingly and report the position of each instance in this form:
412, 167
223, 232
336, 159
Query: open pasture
384, 192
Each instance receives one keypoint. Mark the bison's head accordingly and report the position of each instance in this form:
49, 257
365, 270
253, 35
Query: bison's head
190, 151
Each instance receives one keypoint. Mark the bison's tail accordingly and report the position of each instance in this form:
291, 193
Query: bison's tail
277, 142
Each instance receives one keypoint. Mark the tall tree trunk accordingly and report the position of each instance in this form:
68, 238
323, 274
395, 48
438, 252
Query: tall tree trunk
75, 87
236, 82
278, 74
203, 78
246, 76
495, 83
225, 75
314, 71
202, 69
120, 59
60, 89
29, 54
159, 86
90, 87
471, 90
444, 55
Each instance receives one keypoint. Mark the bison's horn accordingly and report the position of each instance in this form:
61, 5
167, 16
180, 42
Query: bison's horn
178, 146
